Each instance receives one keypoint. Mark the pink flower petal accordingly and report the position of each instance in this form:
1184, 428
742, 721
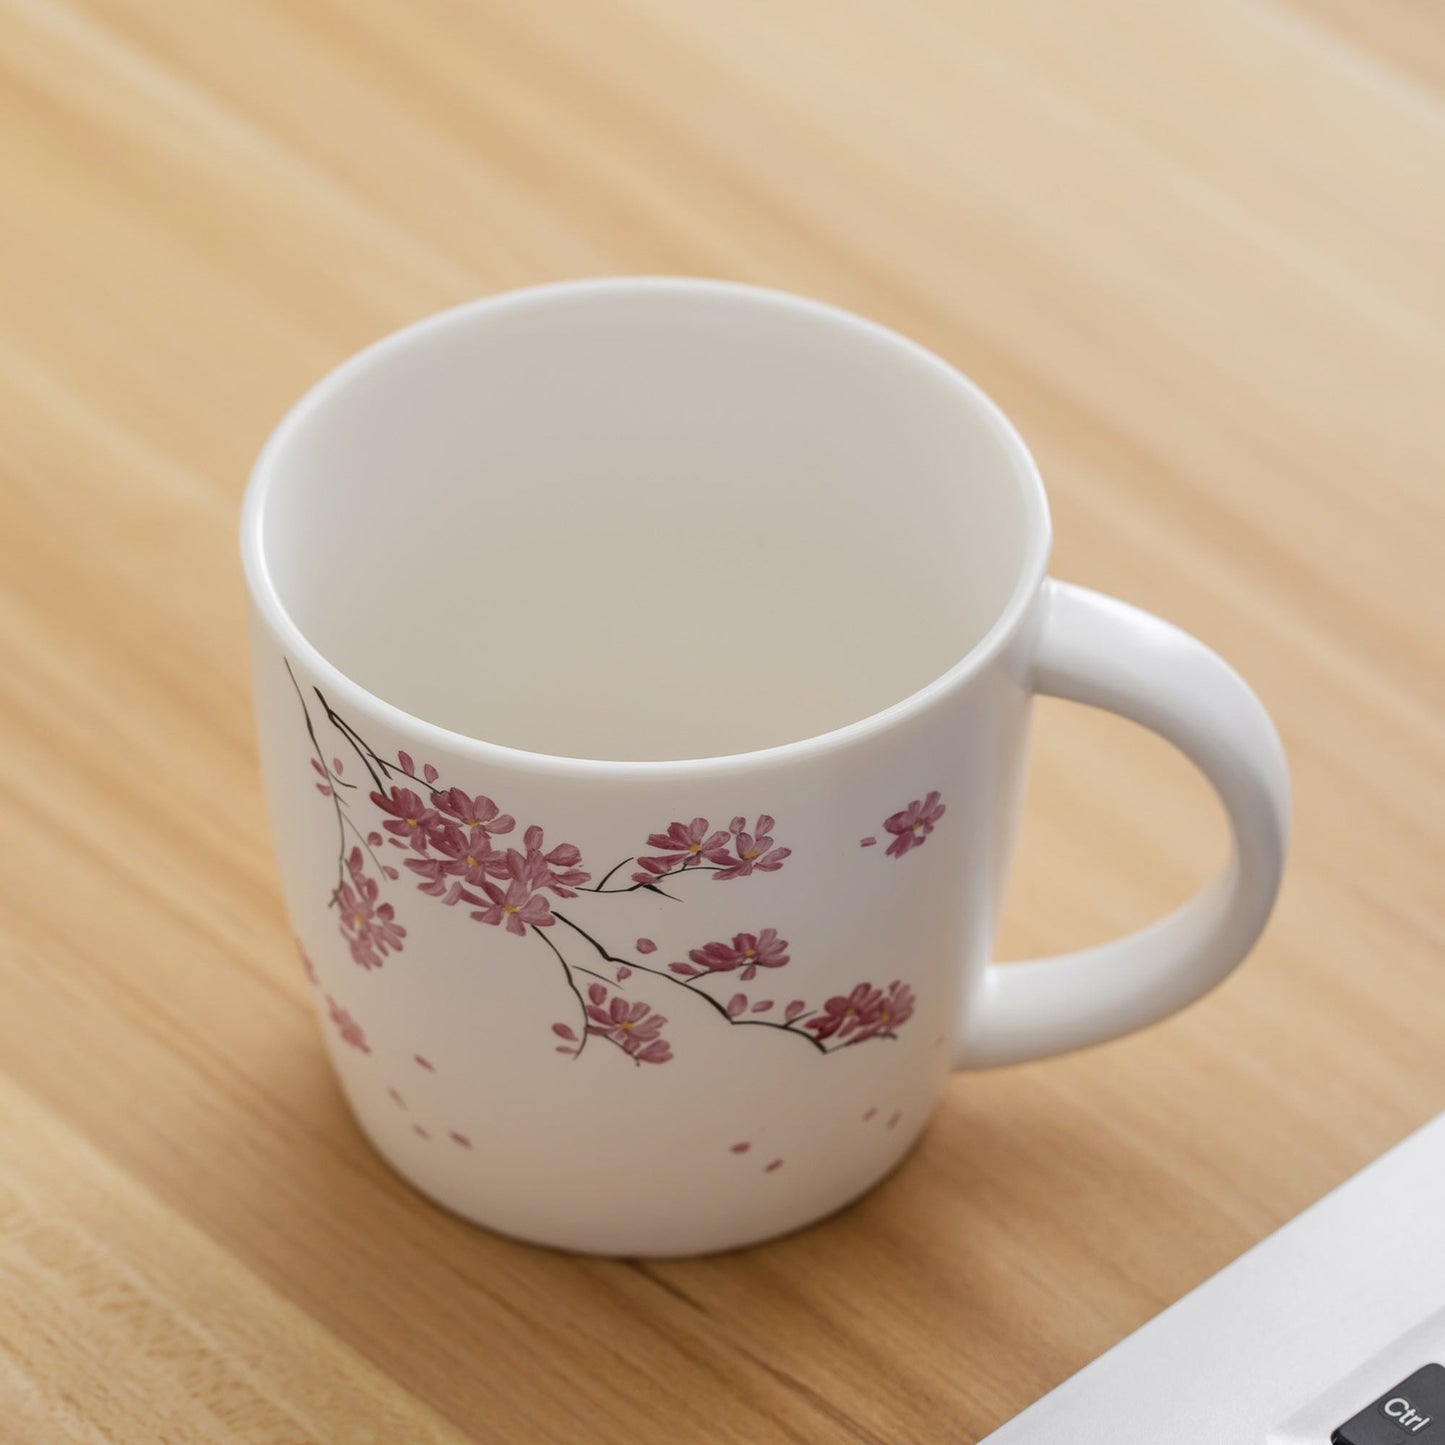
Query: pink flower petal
320, 771
867, 842
741, 1148
460, 1139
763, 1007
869, 1115
776, 1164
563, 1031
685, 969
646, 945
420, 1132
336, 767
737, 1003
623, 973
425, 1063
794, 1009
324, 789
431, 775
404, 758
397, 1099
597, 993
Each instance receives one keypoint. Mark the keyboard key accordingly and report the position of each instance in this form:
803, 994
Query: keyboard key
1413, 1413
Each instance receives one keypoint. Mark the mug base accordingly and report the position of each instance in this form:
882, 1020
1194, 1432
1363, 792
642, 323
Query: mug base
633, 1242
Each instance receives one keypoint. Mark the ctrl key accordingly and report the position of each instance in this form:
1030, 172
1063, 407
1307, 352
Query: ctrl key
1414, 1411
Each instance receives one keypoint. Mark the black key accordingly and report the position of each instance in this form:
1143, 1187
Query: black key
1413, 1413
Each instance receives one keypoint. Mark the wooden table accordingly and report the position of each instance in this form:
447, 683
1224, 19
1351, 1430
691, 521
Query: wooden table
1194, 249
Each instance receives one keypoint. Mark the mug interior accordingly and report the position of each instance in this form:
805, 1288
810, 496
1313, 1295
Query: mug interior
645, 519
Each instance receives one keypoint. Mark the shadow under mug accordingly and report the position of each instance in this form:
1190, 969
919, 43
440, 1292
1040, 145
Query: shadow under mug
643, 671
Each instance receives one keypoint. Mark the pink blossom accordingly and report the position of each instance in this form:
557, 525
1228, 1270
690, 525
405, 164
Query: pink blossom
410, 818
748, 951
845, 1014
633, 1027
468, 856
433, 873
554, 868
369, 928
912, 825
754, 850
479, 812
893, 1011
897, 1007
351, 1032
516, 907
684, 845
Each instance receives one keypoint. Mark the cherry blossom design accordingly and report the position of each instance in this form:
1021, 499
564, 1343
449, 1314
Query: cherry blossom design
368, 926
683, 845
351, 1032
748, 951
633, 1027
473, 813
754, 850
456, 842
409, 818
911, 826
468, 856
516, 908
844, 1014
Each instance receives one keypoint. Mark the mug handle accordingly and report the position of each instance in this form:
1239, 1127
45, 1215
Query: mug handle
1104, 653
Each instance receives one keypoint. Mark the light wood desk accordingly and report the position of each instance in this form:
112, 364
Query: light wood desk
1194, 249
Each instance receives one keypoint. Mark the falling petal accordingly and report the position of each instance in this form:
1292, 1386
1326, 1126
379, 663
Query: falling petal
646, 945
427, 1064
404, 758
564, 1032
741, 1148
776, 1164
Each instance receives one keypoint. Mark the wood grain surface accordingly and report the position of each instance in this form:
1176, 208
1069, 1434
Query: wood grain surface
1194, 249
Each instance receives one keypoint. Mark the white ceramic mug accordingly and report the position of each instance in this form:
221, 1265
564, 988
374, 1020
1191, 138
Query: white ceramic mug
643, 672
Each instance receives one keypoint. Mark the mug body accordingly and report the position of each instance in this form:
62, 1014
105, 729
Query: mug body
641, 679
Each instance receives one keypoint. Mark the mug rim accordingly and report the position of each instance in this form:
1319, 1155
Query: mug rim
295, 644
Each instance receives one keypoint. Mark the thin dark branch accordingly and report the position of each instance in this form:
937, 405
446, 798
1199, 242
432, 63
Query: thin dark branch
606, 878
335, 801
365, 842
567, 974
687, 984
651, 885
363, 750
